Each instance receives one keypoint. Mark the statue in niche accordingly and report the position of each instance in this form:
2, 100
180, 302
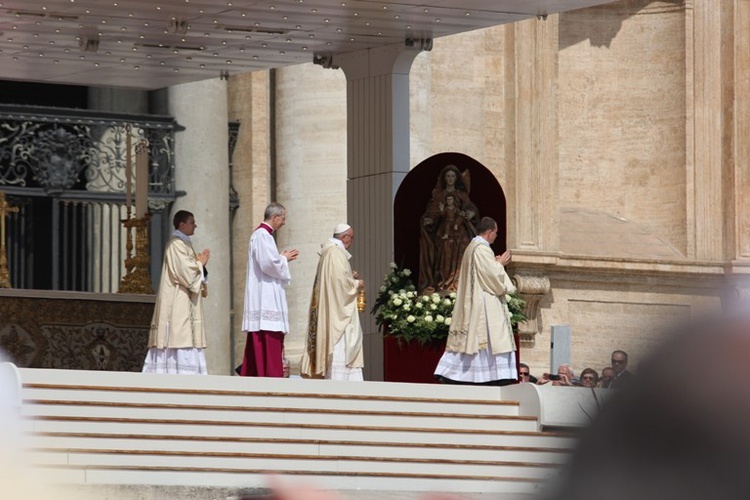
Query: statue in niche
447, 227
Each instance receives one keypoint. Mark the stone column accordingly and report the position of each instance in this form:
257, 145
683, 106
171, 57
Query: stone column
201, 159
310, 180
710, 129
532, 140
377, 162
740, 185
249, 103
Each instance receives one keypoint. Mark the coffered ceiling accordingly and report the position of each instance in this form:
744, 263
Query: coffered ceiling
150, 44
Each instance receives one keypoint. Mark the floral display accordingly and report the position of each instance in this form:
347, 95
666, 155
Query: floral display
407, 315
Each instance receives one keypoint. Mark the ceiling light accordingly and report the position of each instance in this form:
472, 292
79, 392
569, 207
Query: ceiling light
88, 43
177, 26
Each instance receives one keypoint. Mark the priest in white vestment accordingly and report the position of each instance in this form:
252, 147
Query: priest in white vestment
178, 334
480, 348
334, 338
266, 316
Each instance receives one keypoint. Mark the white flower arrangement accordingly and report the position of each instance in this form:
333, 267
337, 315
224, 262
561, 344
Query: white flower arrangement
405, 314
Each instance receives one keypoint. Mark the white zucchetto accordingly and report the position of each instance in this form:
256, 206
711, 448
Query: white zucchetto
341, 228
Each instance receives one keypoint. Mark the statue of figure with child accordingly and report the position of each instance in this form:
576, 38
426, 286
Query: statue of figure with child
446, 229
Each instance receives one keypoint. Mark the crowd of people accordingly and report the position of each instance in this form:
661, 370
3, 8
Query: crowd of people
614, 376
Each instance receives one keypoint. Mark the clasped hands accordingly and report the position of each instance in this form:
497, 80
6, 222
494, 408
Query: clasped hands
290, 254
203, 256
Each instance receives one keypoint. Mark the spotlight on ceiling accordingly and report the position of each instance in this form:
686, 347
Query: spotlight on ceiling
424, 44
325, 60
177, 26
88, 43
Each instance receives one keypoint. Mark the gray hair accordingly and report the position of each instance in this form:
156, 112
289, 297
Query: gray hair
273, 209
569, 369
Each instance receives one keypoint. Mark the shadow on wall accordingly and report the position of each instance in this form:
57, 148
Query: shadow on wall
601, 24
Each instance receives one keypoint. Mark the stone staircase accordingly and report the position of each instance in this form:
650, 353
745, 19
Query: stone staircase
116, 428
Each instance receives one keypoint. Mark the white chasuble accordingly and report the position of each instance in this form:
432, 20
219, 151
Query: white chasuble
178, 314
481, 317
333, 316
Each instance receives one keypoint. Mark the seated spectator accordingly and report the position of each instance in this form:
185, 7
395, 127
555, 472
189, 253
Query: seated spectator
589, 378
622, 376
608, 373
670, 435
524, 374
565, 377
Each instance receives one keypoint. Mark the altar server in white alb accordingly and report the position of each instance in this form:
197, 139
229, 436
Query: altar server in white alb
178, 334
334, 337
480, 348
266, 316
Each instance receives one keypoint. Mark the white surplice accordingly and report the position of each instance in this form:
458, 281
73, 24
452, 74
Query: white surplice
267, 277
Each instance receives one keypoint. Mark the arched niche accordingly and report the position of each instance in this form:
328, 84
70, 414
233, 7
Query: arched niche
416, 190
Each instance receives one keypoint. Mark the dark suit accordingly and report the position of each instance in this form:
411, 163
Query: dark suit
624, 379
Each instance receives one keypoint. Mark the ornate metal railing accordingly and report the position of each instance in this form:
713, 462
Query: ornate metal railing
66, 169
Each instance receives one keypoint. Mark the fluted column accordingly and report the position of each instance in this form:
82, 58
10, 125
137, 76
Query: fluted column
201, 159
533, 158
738, 184
532, 140
377, 162
709, 149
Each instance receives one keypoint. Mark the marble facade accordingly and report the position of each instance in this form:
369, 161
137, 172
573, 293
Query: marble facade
614, 131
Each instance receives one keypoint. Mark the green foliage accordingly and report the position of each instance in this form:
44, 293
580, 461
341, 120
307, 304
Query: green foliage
407, 315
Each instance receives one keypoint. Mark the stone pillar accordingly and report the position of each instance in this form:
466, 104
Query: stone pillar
249, 103
201, 159
310, 180
532, 141
710, 129
377, 162
532, 135
740, 185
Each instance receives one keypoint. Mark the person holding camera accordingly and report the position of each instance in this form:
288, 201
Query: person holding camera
565, 377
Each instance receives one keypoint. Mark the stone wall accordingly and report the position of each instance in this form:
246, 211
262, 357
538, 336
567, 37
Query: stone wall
588, 120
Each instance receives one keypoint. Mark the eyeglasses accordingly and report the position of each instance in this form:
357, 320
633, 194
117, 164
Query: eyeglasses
523, 374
